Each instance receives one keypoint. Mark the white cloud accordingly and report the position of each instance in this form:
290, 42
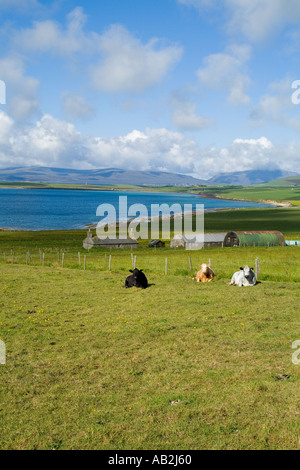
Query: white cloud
225, 71
50, 36
120, 61
129, 65
75, 107
6, 124
58, 143
276, 106
184, 115
256, 20
259, 19
22, 90
20, 5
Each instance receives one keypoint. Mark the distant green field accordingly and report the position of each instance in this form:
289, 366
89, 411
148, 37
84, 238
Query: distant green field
255, 193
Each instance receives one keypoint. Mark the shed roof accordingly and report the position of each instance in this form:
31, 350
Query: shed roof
115, 241
214, 237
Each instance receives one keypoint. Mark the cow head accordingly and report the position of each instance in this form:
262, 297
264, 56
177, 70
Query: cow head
204, 267
135, 272
247, 271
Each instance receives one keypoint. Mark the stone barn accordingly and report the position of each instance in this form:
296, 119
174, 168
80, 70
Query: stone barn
90, 242
180, 241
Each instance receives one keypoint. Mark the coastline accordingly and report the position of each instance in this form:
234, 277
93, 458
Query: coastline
204, 195
262, 201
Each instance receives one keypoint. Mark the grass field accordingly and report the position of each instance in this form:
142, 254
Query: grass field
181, 365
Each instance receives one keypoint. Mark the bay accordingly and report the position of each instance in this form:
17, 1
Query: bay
51, 209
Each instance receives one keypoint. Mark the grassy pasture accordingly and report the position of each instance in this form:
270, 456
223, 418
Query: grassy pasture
91, 365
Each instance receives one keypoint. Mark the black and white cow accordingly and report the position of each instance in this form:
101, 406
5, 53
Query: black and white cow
244, 277
136, 279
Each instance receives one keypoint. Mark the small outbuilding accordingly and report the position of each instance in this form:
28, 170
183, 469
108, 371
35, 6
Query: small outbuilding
90, 242
292, 242
214, 239
156, 244
181, 241
254, 238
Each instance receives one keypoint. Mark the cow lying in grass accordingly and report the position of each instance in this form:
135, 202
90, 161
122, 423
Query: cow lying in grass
206, 274
244, 277
136, 279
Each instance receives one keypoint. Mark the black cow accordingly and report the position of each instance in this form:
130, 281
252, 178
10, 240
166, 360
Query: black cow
136, 279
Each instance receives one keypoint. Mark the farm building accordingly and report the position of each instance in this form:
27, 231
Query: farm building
292, 242
182, 241
90, 242
214, 239
156, 244
258, 238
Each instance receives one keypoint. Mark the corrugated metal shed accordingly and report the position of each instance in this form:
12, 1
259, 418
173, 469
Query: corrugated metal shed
254, 238
214, 239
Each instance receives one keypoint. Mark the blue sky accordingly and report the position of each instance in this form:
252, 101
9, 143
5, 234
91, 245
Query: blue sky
189, 86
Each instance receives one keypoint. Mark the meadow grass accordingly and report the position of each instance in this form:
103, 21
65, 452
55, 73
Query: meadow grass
181, 365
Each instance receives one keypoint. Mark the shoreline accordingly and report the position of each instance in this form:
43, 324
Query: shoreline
273, 203
92, 226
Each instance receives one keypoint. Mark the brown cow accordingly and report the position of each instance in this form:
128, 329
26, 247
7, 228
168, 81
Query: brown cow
206, 274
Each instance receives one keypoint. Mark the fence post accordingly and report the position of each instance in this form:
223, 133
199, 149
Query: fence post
134, 263
190, 262
43, 258
63, 260
109, 263
166, 266
257, 268
79, 260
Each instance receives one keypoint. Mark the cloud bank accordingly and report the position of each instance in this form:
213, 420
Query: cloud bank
56, 143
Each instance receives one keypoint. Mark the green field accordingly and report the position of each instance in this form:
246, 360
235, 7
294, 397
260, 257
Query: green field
181, 365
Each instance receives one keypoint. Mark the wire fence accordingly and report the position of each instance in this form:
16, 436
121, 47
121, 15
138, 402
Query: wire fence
284, 266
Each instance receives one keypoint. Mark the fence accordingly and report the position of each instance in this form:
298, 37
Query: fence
176, 263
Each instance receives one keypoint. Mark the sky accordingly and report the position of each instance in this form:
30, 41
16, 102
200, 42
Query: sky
196, 87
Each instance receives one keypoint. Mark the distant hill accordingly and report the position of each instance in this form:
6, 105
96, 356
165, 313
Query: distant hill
247, 178
112, 176
289, 181
109, 176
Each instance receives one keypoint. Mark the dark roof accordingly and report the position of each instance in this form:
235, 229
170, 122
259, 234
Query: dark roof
116, 241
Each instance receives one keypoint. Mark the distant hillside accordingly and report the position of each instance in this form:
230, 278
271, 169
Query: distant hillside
290, 181
113, 176
107, 176
247, 178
